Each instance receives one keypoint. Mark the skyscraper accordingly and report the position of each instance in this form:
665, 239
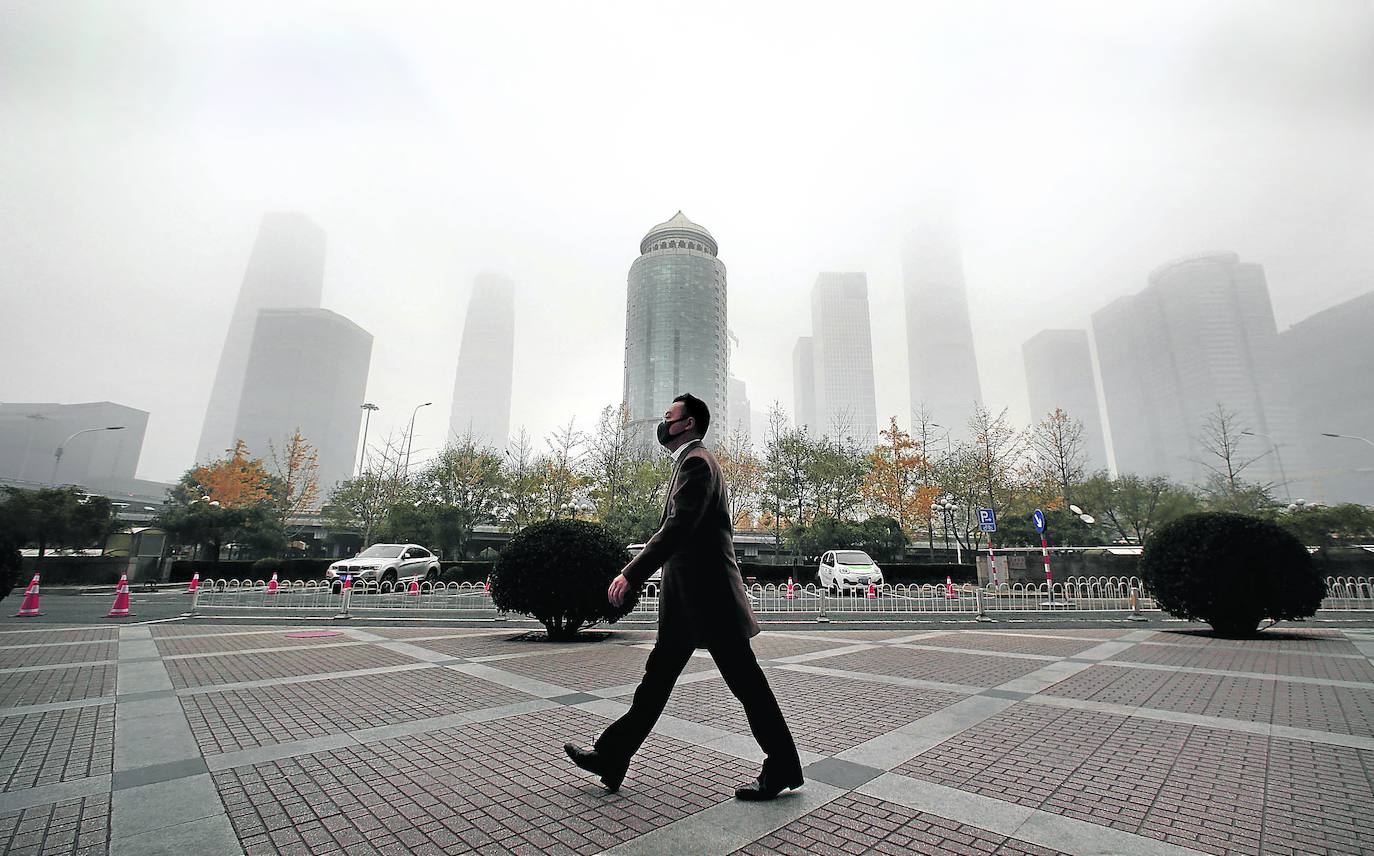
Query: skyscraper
942, 364
804, 385
1059, 375
739, 410
306, 369
1201, 335
482, 386
1327, 360
843, 354
286, 269
676, 336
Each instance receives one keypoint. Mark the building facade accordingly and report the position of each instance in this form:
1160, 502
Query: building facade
1059, 376
482, 384
307, 369
286, 269
676, 325
740, 410
842, 352
30, 434
1200, 336
942, 363
804, 385
1326, 360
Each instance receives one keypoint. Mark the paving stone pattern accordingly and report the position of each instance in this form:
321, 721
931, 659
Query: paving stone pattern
77, 827
496, 787
42, 748
259, 716
1184, 758
854, 825
56, 685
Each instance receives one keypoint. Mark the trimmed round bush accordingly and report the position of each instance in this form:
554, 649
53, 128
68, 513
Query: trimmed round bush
1231, 571
557, 572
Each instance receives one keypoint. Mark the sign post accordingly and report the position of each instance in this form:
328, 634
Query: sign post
1038, 520
987, 522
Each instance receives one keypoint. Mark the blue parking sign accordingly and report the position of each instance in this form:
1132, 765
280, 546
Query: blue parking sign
987, 520
1038, 518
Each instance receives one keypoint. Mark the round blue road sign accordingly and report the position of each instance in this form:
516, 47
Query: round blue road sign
1038, 518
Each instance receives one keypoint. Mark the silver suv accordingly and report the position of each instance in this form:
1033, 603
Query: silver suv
387, 563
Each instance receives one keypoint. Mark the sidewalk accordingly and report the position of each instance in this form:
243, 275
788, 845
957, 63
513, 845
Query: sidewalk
196, 737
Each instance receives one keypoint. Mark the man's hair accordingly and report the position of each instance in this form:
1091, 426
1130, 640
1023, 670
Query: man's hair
697, 409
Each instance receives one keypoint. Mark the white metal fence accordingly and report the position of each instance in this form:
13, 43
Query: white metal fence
797, 602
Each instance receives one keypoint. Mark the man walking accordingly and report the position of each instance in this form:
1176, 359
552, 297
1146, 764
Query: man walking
702, 604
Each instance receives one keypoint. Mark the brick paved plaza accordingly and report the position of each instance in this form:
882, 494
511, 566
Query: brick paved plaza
200, 737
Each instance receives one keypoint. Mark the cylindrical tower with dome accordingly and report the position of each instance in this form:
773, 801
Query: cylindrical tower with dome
676, 332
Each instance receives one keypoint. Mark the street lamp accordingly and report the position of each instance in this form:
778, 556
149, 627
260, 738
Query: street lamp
946, 505
410, 436
57, 456
1350, 437
1277, 457
367, 420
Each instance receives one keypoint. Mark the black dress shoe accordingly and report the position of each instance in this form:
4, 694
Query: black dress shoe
765, 788
593, 762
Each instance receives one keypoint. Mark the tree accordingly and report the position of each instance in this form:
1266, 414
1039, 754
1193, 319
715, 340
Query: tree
1060, 456
774, 490
557, 476
836, 470
200, 523
1225, 488
522, 500
923, 427
1135, 507
461, 488
1329, 526
995, 450
743, 473
55, 517
789, 473
297, 471
894, 484
233, 481
610, 462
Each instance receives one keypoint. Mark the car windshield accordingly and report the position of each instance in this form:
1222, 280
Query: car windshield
853, 557
381, 551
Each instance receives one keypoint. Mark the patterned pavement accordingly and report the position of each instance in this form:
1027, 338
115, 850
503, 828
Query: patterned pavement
201, 737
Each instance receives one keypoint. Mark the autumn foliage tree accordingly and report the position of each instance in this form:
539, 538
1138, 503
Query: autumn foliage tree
893, 486
296, 467
235, 481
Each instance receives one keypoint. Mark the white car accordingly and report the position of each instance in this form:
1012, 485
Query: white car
848, 570
387, 563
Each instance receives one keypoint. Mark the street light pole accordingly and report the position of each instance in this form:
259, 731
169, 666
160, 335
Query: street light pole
410, 435
1277, 457
1365, 440
367, 420
57, 455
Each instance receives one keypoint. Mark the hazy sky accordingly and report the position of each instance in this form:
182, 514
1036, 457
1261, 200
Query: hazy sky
1081, 144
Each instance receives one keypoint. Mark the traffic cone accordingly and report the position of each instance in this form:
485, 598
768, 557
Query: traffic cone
790, 595
29, 607
272, 586
414, 587
120, 609
949, 587
872, 590
347, 582
486, 585
195, 583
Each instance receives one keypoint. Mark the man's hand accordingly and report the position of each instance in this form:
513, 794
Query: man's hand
619, 588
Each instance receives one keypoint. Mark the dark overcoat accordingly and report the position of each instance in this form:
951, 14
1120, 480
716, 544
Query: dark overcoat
702, 597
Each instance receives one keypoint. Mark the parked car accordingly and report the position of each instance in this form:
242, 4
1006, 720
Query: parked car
387, 563
848, 570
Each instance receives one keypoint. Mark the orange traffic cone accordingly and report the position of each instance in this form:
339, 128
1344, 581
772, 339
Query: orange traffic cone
195, 583
790, 595
414, 587
272, 586
120, 609
949, 587
347, 582
486, 585
872, 590
29, 607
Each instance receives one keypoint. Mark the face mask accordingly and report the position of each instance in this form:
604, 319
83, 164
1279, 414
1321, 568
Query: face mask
664, 436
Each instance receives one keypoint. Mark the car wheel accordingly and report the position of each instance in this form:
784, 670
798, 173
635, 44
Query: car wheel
433, 576
389, 579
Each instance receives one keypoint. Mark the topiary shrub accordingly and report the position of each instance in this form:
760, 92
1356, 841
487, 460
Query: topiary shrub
557, 572
1231, 571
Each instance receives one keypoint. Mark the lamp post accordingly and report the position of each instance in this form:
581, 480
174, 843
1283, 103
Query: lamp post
57, 455
1365, 440
1277, 457
410, 435
367, 420
946, 505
